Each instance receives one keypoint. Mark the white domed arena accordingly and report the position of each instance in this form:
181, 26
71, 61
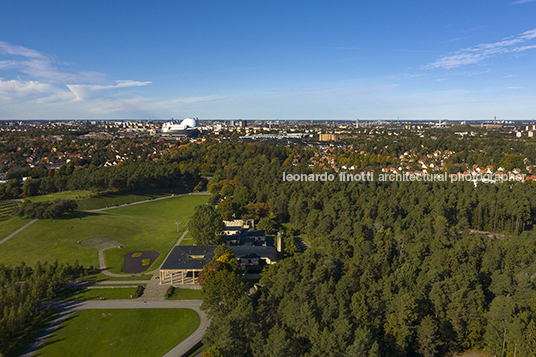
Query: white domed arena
190, 123
187, 127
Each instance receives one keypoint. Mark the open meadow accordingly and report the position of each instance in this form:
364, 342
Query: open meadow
11, 225
118, 333
88, 200
164, 208
65, 195
142, 227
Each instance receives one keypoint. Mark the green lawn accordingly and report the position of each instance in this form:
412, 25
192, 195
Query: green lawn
187, 241
188, 235
66, 195
96, 294
88, 200
57, 239
101, 277
119, 198
171, 207
186, 294
7, 209
117, 333
11, 225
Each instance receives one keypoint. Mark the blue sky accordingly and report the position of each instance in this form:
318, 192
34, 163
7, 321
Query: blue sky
306, 59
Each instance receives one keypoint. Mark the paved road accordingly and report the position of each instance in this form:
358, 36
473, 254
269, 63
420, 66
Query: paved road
67, 308
18, 230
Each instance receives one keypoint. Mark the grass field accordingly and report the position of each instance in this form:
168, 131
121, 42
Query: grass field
101, 277
67, 195
11, 225
112, 199
96, 294
57, 239
186, 294
176, 206
118, 333
7, 209
88, 200
187, 241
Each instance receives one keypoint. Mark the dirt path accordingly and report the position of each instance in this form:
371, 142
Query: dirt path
67, 308
18, 230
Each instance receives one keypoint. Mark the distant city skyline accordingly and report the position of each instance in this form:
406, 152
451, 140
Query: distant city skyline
275, 60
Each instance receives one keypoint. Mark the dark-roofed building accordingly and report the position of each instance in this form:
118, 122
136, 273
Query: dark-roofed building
257, 238
255, 255
184, 262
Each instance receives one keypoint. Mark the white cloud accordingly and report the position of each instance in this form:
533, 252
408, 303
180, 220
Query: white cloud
89, 91
44, 68
15, 90
7, 64
40, 83
478, 53
6, 48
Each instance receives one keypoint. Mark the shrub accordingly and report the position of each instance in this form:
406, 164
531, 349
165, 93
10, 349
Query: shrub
170, 291
49, 209
139, 291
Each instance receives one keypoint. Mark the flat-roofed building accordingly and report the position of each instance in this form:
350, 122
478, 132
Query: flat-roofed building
184, 263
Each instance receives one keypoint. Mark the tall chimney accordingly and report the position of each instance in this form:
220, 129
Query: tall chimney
280, 244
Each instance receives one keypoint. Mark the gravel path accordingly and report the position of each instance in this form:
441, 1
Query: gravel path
67, 308
18, 230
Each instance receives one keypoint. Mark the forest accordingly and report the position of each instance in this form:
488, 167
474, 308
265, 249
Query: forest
23, 290
127, 177
395, 268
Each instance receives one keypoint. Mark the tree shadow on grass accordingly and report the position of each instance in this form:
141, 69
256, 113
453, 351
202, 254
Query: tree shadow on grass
50, 341
79, 215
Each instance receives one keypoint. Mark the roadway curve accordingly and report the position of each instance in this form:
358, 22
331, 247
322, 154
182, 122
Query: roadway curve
67, 308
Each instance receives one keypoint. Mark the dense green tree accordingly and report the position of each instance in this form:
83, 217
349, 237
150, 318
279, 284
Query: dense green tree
228, 209
267, 224
206, 225
223, 287
47, 209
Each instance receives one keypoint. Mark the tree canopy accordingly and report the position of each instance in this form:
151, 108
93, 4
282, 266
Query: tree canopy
206, 225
